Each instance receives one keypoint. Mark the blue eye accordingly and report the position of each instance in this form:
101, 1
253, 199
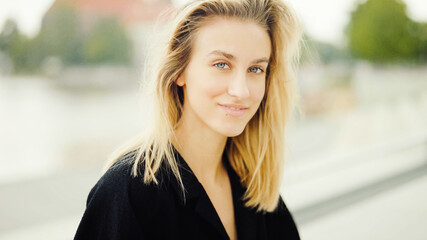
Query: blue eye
221, 65
255, 70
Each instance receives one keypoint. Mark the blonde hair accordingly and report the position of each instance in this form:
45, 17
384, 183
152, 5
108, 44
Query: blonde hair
257, 155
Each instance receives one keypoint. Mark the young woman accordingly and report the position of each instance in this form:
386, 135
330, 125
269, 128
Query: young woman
211, 164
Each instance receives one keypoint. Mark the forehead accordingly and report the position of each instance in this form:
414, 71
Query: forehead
242, 38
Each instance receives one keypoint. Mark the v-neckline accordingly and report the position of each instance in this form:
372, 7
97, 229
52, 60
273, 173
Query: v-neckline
244, 218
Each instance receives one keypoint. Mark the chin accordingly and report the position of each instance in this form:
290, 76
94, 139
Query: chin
234, 135
232, 132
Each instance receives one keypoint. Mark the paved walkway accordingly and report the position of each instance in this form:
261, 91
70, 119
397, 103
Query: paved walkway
394, 213
399, 213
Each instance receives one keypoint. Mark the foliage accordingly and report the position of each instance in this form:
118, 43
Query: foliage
421, 32
329, 53
380, 31
107, 43
59, 34
17, 46
318, 51
63, 36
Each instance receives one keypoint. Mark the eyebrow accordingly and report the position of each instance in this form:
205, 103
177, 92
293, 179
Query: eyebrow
232, 57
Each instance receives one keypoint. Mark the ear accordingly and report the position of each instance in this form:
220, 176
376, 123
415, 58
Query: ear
180, 80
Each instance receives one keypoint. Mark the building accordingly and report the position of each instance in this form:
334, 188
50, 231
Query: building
138, 17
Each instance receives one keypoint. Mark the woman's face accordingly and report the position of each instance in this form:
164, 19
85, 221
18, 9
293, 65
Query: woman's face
224, 82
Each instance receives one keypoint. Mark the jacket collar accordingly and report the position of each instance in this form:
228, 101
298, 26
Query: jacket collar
196, 196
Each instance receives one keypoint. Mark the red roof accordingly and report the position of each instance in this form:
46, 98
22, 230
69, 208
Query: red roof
128, 11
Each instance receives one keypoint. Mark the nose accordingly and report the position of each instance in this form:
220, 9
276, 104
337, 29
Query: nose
238, 86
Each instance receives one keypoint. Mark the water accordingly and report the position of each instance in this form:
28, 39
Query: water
45, 127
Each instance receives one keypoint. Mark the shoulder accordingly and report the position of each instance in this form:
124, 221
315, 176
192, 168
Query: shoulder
118, 182
115, 180
281, 222
120, 205
109, 213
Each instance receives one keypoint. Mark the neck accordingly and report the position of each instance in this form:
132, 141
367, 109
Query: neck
202, 150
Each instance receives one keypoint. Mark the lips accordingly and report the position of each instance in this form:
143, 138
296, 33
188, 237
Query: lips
234, 110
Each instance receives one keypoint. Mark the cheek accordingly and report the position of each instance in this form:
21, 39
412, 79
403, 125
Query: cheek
258, 92
201, 94
215, 90
206, 85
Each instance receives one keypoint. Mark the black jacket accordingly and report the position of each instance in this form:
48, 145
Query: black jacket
122, 207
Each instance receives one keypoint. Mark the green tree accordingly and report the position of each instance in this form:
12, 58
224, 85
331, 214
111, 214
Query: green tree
8, 34
324, 52
421, 32
380, 31
60, 34
107, 43
17, 46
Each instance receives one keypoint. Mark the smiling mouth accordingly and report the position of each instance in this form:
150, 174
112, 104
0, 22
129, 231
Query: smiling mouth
234, 110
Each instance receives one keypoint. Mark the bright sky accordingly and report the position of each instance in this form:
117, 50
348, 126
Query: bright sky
324, 20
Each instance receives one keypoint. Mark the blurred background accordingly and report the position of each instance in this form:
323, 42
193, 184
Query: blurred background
356, 158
